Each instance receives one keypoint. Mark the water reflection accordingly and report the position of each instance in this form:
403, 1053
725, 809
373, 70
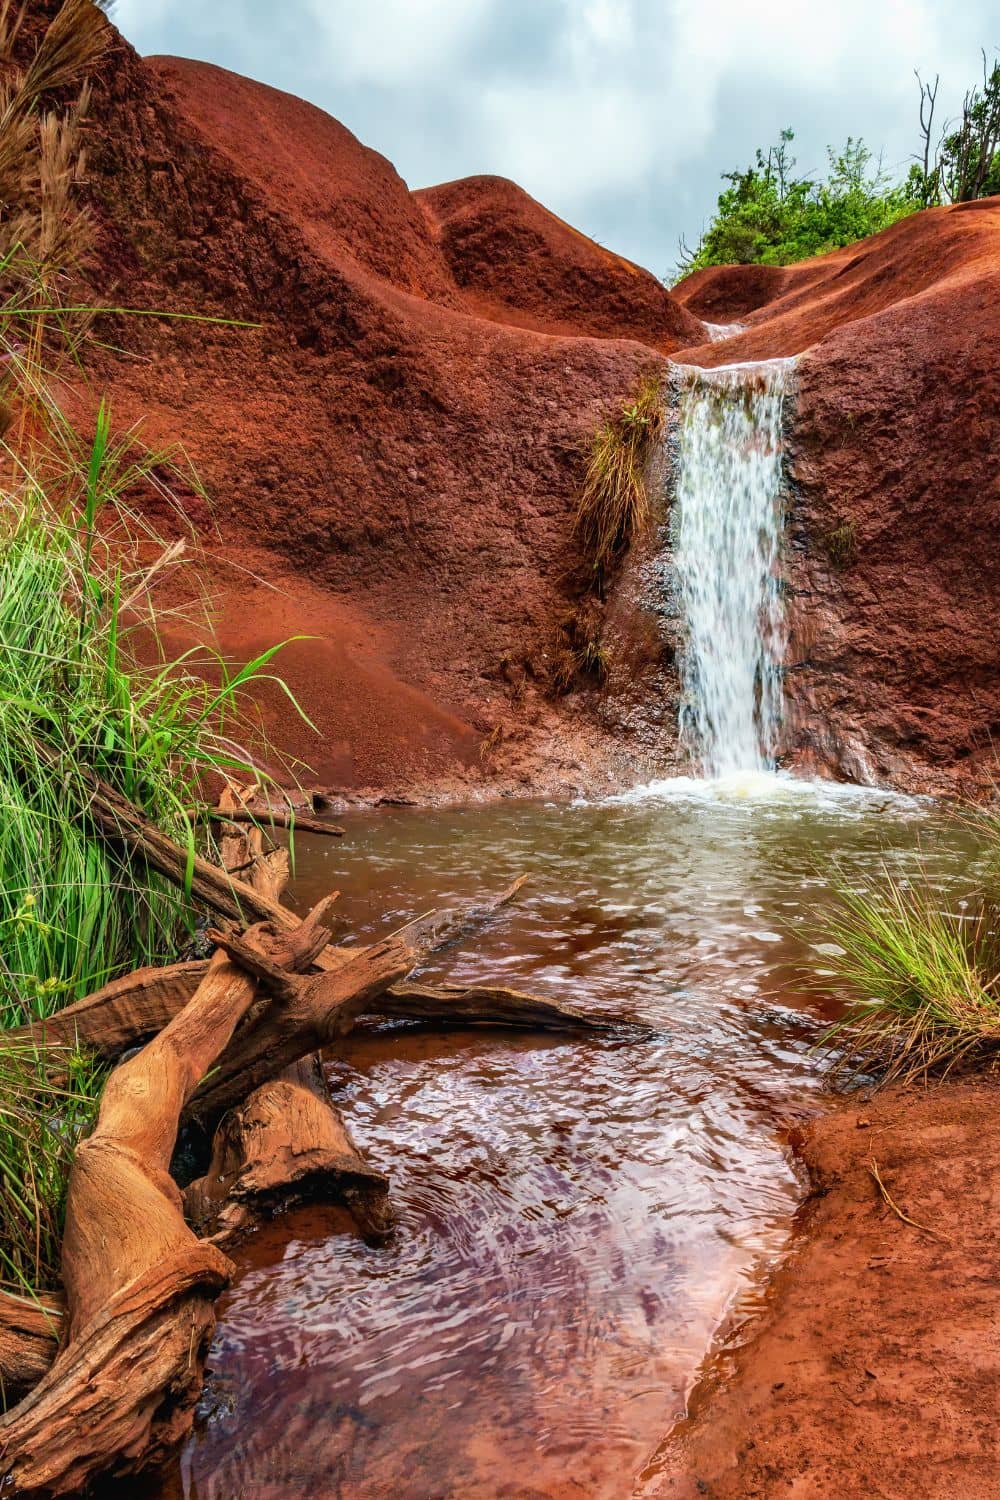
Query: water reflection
575, 1218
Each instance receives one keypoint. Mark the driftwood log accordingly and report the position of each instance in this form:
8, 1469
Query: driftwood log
235, 1044
274, 818
140, 1287
29, 1338
287, 1144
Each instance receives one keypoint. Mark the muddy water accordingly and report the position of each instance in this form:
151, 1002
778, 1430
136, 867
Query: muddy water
575, 1219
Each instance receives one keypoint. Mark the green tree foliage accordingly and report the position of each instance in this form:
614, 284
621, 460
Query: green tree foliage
966, 162
969, 161
769, 216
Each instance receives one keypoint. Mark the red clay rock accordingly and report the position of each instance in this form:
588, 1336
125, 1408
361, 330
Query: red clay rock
399, 442
416, 462
894, 667
517, 263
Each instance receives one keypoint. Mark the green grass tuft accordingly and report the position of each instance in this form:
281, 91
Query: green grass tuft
48, 1099
614, 501
922, 983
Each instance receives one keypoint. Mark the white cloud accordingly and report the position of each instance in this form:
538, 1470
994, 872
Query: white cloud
394, 41
619, 114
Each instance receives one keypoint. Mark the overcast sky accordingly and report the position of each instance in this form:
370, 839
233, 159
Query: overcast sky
618, 114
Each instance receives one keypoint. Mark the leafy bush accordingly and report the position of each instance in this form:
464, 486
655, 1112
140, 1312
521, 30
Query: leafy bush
769, 216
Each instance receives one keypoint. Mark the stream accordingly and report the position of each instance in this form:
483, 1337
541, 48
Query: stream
580, 1221
577, 1218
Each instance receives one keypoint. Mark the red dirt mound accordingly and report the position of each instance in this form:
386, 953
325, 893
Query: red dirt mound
877, 1369
372, 434
404, 431
350, 203
517, 263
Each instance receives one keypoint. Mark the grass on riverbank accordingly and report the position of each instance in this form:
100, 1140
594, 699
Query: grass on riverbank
80, 588
48, 1099
922, 984
75, 910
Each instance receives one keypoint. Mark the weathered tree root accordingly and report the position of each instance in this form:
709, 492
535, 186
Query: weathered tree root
140, 1288
286, 1145
272, 817
128, 1011
458, 1006
307, 1014
120, 1015
29, 1338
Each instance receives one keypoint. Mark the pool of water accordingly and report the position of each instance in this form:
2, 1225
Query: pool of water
576, 1218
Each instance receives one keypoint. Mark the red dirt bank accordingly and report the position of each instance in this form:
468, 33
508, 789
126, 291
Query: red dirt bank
894, 666
876, 1370
379, 438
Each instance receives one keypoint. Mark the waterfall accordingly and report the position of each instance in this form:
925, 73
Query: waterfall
728, 524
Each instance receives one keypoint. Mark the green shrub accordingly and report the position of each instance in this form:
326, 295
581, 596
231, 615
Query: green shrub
769, 216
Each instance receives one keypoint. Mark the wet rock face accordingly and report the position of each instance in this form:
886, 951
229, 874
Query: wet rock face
892, 564
898, 512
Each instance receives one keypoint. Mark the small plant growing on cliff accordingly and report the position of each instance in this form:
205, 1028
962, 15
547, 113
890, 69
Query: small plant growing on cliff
614, 500
842, 544
581, 657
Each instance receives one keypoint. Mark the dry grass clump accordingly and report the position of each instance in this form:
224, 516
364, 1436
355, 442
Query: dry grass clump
842, 544
923, 983
581, 656
614, 500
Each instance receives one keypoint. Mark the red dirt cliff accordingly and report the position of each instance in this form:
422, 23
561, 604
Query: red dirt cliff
398, 444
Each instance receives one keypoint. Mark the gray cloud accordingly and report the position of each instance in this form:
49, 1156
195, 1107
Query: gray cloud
618, 114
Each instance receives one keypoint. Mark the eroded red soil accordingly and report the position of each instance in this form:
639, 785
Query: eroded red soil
876, 1370
402, 433
894, 667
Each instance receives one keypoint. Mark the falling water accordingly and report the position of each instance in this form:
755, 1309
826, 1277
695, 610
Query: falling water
729, 519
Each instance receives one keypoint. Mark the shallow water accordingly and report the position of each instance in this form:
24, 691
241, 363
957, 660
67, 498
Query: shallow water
575, 1218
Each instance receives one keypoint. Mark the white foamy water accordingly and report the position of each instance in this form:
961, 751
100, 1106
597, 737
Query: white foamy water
777, 790
717, 332
729, 521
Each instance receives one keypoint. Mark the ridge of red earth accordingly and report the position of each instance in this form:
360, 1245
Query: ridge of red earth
894, 659
374, 439
514, 262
